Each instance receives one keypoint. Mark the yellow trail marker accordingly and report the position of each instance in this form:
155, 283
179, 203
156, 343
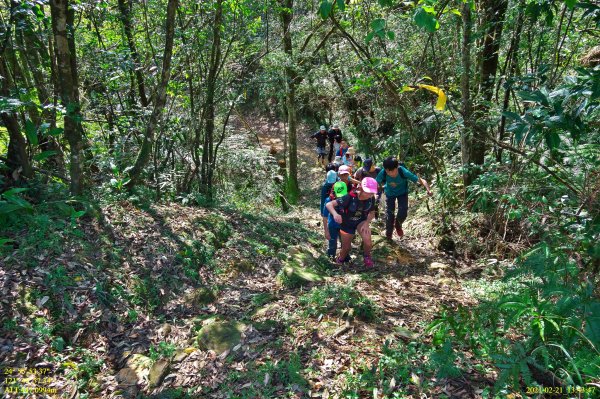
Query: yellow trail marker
441, 101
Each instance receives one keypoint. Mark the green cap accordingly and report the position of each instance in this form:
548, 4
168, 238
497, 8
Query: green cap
340, 189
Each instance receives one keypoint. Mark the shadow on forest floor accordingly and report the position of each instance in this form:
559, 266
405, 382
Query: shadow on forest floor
145, 281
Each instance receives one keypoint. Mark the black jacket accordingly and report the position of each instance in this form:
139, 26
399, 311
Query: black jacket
334, 134
321, 137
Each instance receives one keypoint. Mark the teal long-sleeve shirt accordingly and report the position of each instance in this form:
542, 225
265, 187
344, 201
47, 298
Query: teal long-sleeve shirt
396, 186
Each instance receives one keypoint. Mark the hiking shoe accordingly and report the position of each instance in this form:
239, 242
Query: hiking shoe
399, 231
339, 261
388, 237
368, 262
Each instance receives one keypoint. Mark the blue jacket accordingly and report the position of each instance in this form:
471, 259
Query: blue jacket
325, 190
330, 220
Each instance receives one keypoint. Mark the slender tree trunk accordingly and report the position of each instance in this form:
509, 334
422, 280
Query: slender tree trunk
207, 168
62, 27
17, 147
125, 10
494, 12
467, 132
161, 98
513, 60
36, 56
290, 98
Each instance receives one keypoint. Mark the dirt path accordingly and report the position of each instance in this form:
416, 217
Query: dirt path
134, 292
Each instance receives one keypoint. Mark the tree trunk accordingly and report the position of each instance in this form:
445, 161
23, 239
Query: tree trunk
62, 27
34, 52
17, 151
511, 67
207, 168
467, 132
161, 98
493, 22
125, 10
290, 99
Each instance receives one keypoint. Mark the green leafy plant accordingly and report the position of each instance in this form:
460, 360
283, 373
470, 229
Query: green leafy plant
339, 299
12, 205
164, 350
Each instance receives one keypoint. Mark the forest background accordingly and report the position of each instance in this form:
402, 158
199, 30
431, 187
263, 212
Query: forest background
133, 105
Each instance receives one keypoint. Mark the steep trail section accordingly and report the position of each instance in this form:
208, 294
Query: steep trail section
172, 301
411, 283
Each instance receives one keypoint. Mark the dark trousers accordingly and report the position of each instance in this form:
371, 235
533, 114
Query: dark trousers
334, 233
330, 157
392, 220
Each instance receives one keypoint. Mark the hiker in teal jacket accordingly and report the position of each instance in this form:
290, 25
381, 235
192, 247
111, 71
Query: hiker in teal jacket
394, 177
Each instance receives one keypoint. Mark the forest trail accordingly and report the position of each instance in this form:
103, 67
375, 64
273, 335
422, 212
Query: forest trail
173, 301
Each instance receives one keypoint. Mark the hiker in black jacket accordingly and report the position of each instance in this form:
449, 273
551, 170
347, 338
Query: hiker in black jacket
321, 137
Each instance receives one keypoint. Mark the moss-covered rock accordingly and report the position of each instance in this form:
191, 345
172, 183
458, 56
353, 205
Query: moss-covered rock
137, 368
266, 310
300, 268
158, 371
220, 336
200, 296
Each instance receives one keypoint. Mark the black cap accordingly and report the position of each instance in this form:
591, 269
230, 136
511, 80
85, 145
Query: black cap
368, 163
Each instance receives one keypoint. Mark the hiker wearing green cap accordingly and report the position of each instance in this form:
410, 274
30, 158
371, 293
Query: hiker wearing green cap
331, 178
352, 211
339, 190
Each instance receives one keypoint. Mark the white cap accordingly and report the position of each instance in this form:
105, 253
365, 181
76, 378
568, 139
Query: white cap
322, 127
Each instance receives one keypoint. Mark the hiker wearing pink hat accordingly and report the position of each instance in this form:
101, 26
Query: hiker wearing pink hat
352, 211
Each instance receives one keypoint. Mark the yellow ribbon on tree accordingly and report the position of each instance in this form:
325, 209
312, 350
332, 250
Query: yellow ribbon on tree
441, 101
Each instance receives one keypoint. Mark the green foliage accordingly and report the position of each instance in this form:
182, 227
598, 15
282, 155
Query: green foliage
262, 298
425, 18
552, 114
555, 312
146, 293
325, 9
197, 254
164, 350
85, 370
398, 373
12, 205
267, 380
339, 300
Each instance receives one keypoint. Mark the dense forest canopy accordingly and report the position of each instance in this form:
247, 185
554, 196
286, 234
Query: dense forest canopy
495, 102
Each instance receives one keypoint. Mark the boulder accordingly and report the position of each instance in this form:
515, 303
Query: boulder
300, 268
158, 371
136, 370
438, 266
220, 336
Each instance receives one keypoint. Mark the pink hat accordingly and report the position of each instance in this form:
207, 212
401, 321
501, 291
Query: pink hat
344, 170
369, 185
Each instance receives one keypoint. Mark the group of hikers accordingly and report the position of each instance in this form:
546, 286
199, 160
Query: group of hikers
352, 191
